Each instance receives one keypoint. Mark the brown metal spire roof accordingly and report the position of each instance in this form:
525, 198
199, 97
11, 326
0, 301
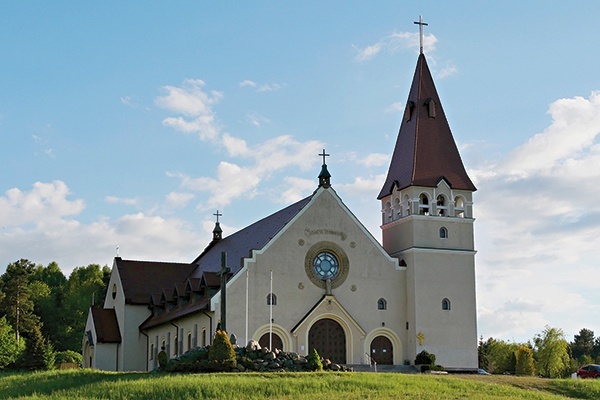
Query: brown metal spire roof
425, 150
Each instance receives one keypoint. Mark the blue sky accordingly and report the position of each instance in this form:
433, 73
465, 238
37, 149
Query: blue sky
130, 124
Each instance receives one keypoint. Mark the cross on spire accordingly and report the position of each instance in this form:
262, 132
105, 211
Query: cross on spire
323, 154
421, 24
218, 215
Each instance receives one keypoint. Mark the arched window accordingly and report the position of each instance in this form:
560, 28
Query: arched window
446, 305
387, 213
152, 351
271, 299
397, 208
441, 205
459, 207
114, 291
423, 204
203, 337
189, 341
443, 233
406, 205
381, 304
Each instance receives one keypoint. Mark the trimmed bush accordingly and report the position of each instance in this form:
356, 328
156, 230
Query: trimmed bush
221, 353
314, 361
425, 358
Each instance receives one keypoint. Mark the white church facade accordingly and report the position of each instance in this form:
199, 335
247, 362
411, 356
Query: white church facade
312, 276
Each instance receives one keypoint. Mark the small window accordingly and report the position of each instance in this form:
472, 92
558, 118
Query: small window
410, 105
271, 299
114, 291
381, 304
189, 341
446, 305
423, 204
441, 205
430, 103
152, 351
443, 233
203, 337
175, 342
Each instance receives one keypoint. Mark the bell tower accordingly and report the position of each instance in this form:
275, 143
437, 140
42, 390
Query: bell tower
427, 223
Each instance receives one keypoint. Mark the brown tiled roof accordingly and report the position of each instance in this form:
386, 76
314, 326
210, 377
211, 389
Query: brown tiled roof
174, 314
142, 278
425, 150
106, 325
240, 244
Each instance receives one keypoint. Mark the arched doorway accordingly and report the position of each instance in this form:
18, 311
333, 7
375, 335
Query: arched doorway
277, 343
382, 351
328, 337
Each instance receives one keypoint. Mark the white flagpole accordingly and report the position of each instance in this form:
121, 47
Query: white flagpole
271, 315
247, 274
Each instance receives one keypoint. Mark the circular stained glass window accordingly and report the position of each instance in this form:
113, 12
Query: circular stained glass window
326, 266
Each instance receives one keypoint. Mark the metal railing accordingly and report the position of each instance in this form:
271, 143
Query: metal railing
371, 361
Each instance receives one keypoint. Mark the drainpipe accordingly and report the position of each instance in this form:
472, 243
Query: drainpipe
117, 361
210, 327
147, 339
178, 338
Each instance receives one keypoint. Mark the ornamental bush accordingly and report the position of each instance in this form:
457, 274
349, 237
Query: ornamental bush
314, 361
425, 358
221, 353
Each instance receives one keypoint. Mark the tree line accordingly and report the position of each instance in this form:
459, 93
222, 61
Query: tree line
548, 354
43, 313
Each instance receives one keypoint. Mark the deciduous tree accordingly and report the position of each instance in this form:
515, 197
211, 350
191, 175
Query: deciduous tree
552, 353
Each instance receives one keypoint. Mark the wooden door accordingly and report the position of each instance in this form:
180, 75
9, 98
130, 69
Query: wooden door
382, 350
328, 337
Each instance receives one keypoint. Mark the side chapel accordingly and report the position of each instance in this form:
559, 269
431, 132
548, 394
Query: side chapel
337, 288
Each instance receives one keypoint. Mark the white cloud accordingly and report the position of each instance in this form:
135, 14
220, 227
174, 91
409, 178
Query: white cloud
393, 43
447, 71
537, 214
44, 225
298, 188
196, 107
257, 119
263, 87
178, 199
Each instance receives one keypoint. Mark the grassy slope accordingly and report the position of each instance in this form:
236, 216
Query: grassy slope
102, 385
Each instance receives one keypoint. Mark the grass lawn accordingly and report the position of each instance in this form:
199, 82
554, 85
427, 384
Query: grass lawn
87, 384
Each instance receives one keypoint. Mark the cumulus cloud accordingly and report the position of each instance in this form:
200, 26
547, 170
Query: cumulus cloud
393, 43
195, 106
538, 213
254, 165
44, 224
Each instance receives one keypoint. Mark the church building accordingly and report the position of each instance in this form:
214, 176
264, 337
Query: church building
312, 276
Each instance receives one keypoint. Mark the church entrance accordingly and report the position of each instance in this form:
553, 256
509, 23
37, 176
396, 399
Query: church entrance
382, 351
328, 337
275, 340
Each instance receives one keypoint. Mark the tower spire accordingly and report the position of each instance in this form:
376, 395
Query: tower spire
324, 176
217, 232
421, 24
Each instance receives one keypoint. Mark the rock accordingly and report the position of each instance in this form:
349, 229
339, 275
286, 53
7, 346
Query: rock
241, 368
335, 367
252, 345
264, 350
301, 360
233, 339
274, 365
270, 356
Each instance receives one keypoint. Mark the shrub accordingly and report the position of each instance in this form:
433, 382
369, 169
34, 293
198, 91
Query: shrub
314, 361
425, 358
67, 356
221, 353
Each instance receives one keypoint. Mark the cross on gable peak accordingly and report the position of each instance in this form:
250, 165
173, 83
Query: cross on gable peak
323, 154
217, 214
